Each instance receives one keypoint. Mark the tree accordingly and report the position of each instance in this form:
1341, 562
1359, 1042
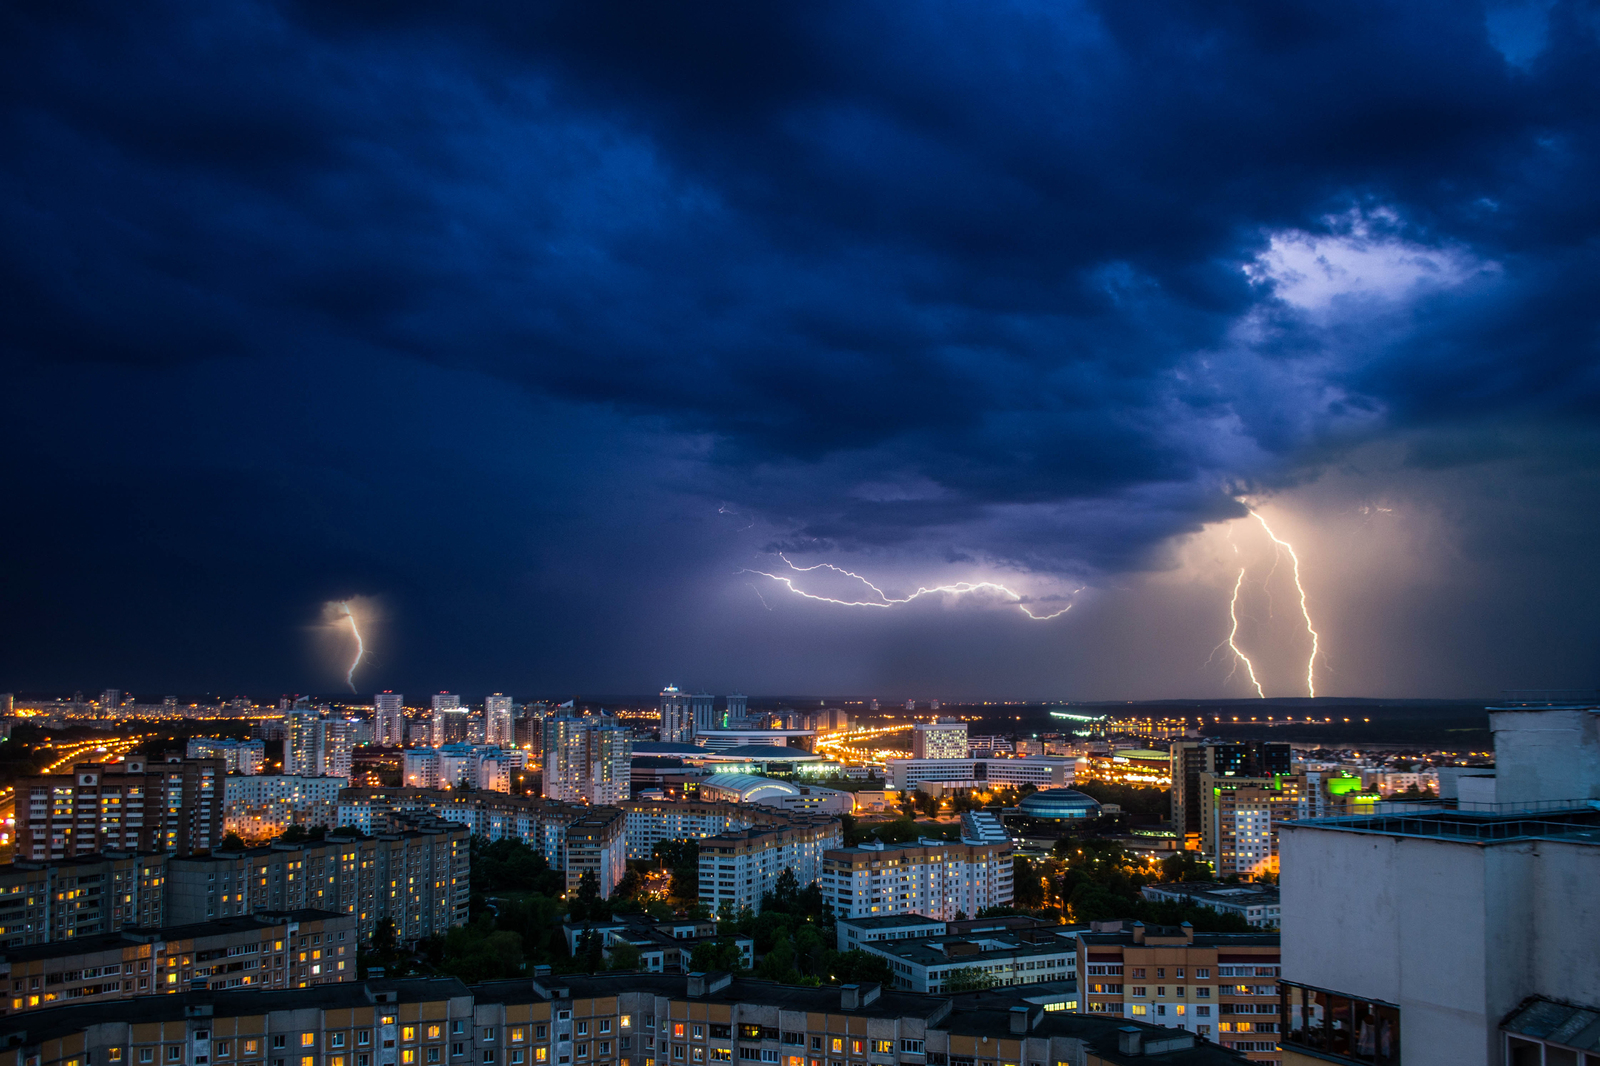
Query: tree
624, 956
590, 950
778, 964
586, 903
860, 967
719, 954
1185, 866
968, 979
232, 842
1026, 891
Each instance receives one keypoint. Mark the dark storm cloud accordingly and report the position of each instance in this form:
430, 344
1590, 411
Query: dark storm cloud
960, 282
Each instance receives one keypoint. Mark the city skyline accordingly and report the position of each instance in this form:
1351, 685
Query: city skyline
993, 352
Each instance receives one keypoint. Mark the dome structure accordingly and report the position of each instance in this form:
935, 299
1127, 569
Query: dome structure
745, 788
1059, 804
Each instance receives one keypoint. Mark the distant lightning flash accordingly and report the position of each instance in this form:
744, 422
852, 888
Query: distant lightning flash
1233, 614
1305, 612
361, 647
886, 600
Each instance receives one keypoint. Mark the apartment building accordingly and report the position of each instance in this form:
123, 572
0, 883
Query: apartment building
296, 949
238, 756
264, 806
1038, 771
586, 760
936, 880
1221, 986
652, 821
547, 826
170, 804
480, 766
737, 868
78, 897
1190, 758
419, 878
596, 843
1239, 828
603, 1020
852, 933
1454, 935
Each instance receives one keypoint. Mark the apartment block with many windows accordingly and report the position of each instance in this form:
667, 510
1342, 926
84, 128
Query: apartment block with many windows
942, 880
83, 896
738, 868
604, 1020
419, 878
170, 804
290, 950
1222, 986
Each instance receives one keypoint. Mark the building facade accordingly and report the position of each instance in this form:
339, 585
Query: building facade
942, 880
1221, 986
257, 808
1040, 772
297, 949
677, 717
389, 720
238, 756
939, 740
1188, 759
602, 1020
170, 804
587, 760
418, 878
88, 896
1445, 928
497, 729
738, 867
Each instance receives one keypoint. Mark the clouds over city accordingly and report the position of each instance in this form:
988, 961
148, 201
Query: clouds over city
544, 324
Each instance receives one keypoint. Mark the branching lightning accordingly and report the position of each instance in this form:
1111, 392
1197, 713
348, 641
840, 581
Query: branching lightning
361, 647
1305, 611
886, 600
1233, 614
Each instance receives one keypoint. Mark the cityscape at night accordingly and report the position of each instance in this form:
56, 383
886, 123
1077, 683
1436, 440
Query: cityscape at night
619, 534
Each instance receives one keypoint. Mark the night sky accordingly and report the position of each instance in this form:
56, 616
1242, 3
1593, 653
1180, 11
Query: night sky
537, 331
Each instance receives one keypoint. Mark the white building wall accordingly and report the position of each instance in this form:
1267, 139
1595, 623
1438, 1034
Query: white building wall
1456, 934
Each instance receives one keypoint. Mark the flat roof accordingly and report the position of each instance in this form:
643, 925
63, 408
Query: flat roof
890, 921
930, 951
1578, 824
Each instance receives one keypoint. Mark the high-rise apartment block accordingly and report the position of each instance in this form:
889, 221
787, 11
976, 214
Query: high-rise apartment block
389, 720
1242, 815
418, 876
297, 949
740, 866
587, 760
1191, 758
261, 807
944, 739
497, 728
443, 704
942, 880
1460, 934
314, 746
69, 899
737, 710
677, 717
172, 805
478, 766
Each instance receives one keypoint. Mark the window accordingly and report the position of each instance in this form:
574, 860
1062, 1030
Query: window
221, 1047
1178, 973
837, 1044
857, 1045
363, 1038
174, 1053
583, 1029
1138, 990
457, 1050
625, 1022
518, 1034
1202, 973
278, 1042
1202, 993
883, 1047
746, 1032
146, 1054
1161, 973
488, 1056
911, 1047
433, 1055
308, 1039
816, 1043
517, 1056
249, 1047
408, 1033
488, 1036
408, 1056
1138, 1010
1137, 973
1340, 1027
605, 1026
769, 1055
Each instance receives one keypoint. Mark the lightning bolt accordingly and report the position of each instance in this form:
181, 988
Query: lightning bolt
361, 647
1233, 615
885, 600
1305, 612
